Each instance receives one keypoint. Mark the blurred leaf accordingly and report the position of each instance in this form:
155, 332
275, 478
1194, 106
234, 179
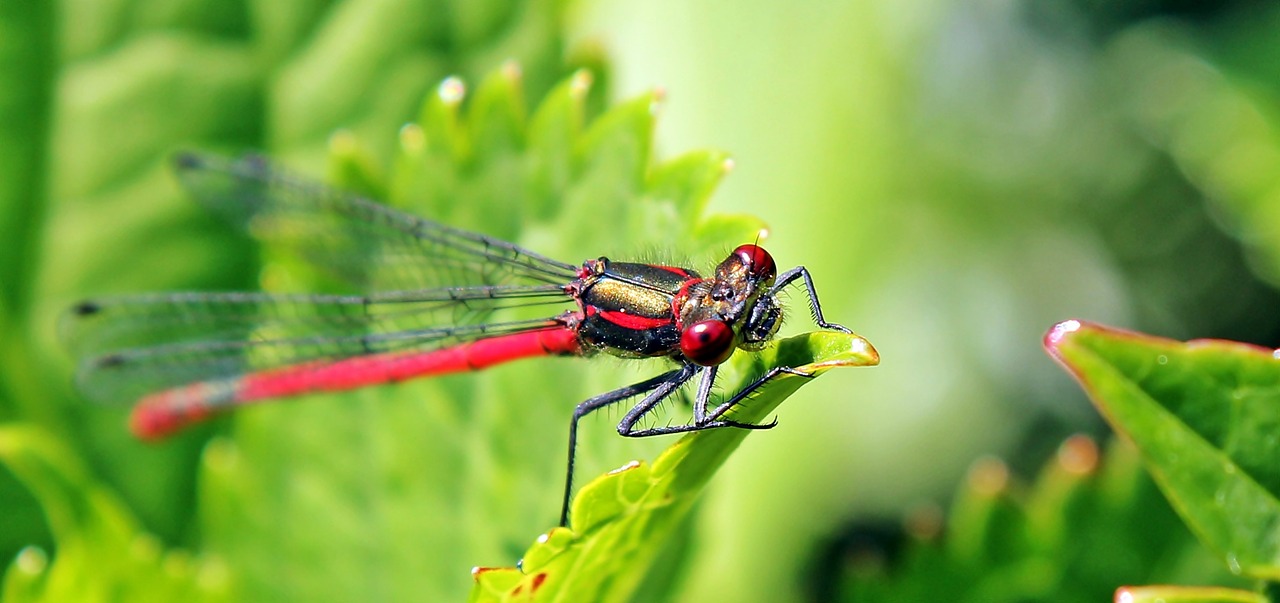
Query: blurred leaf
96, 87
104, 91
1087, 524
1206, 416
26, 54
1213, 114
631, 511
26, 87
1186, 594
102, 553
370, 61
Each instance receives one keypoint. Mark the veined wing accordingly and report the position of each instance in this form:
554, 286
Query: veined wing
129, 346
372, 246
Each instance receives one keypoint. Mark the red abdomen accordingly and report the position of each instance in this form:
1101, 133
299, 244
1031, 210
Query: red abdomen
163, 413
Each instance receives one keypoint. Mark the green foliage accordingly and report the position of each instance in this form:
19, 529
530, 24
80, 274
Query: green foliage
391, 493
1202, 416
98, 104
1217, 110
97, 97
1205, 415
1129, 165
1086, 525
102, 553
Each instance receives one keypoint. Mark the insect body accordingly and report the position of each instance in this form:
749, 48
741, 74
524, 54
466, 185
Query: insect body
429, 290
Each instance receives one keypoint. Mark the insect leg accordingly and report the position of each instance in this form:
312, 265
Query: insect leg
707, 420
788, 277
664, 384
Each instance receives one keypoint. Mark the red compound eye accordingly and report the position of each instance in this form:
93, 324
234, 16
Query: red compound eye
758, 261
708, 342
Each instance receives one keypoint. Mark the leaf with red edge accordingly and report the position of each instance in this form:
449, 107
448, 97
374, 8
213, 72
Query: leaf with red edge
1206, 416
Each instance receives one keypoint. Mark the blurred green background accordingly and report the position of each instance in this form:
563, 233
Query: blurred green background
958, 176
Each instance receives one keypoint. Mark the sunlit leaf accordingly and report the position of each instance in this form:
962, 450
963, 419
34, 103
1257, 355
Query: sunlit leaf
617, 519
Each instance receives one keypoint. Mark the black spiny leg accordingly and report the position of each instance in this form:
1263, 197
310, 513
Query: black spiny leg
788, 277
706, 420
659, 387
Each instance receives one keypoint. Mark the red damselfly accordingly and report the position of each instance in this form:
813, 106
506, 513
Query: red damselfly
429, 291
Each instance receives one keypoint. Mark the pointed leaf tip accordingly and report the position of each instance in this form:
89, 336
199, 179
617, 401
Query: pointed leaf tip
833, 349
1060, 331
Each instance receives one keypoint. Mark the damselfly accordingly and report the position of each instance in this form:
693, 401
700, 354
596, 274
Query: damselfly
430, 291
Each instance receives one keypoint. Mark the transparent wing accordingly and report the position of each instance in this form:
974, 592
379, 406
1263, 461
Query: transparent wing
426, 285
133, 345
372, 246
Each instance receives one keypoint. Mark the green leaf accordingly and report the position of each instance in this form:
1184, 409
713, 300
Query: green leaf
628, 510
1206, 417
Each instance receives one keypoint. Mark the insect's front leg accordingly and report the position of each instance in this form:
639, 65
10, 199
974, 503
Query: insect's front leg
746, 392
658, 388
702, 419
800, 272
